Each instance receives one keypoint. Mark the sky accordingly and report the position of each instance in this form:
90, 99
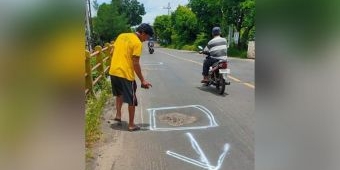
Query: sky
153, 8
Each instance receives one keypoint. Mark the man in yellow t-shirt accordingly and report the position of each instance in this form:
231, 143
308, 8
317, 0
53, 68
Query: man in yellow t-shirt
124, 65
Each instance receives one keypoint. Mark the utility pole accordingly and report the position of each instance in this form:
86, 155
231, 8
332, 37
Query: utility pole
88, 25
168, 8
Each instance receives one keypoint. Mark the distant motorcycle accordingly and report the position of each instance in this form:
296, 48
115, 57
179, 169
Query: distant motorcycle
218, 74
150, 45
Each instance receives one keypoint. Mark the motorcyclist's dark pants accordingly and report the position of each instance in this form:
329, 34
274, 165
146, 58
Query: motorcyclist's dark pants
209, 61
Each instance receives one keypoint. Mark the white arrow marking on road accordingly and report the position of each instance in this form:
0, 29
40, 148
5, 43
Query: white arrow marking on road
204, 162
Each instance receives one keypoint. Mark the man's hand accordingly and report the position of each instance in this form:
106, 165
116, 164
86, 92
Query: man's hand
145, 84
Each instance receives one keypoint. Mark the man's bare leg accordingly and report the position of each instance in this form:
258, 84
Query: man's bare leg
131, 116
132, 126
119, 103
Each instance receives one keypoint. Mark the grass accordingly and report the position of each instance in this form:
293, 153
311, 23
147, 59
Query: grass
189, 47
93, 111
234, 52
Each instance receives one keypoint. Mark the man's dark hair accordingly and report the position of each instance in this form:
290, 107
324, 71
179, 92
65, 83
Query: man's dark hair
216, 31
146, 28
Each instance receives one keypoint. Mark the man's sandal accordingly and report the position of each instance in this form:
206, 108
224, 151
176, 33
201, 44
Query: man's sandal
118, 120
135, 128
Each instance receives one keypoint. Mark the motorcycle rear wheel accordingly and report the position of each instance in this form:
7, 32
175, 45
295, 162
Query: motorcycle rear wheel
221, 86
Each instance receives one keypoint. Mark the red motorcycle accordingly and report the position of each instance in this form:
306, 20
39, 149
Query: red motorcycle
218, 74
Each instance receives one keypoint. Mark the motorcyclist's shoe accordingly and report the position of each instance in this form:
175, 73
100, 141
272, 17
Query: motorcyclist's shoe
205, 80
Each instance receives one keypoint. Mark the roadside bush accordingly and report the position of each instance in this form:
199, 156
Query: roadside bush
201, 40
93, 111
189, 47
172, 46
235, 52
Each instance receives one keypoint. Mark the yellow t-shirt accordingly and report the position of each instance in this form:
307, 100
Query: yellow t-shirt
125, 46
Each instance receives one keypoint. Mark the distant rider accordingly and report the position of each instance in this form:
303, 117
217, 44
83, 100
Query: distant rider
150, 43
216, 50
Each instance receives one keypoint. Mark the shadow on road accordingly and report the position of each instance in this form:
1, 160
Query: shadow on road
123, 126
212, 90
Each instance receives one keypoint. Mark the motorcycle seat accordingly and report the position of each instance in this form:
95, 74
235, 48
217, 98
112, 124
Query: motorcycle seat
216, 63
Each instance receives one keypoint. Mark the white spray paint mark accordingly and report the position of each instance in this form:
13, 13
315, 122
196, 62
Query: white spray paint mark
198, 149
153, 112
203, 163
189, 160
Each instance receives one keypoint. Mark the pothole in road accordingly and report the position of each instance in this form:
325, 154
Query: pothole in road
180, 118
177, 119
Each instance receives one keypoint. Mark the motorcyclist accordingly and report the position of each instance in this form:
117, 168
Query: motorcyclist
150, 43
216, 50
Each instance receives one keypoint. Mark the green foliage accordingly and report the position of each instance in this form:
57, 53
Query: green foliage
233, 51
184, 23
240, 14
108, 24
162, 27
202, 40
88, 154
133, 11
175, 38
172, 46
251, 36
248, 7
192, 24
189, 47
115, 18
94, 109
208, 12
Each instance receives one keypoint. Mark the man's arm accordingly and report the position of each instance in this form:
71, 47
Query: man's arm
138, 71
206, 50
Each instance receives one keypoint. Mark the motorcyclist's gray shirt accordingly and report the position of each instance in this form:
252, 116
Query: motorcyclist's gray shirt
217, 47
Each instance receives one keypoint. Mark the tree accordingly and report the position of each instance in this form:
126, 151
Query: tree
132, 9
248, 7
162, 27
209, 14
184, 26
115, 18
197, 19
241, 15
108, 24
236, 13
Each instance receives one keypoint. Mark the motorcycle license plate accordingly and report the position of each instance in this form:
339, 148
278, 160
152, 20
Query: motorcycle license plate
224, 71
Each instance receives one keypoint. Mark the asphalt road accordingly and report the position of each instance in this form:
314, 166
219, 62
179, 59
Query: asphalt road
186, 126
